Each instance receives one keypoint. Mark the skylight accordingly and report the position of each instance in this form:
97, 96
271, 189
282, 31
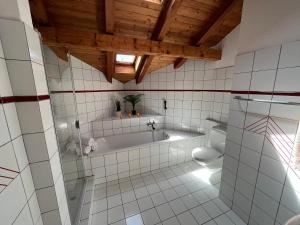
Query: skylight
155, 1
125, 59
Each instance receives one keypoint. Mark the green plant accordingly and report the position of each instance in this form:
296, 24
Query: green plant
133, 99
118, 105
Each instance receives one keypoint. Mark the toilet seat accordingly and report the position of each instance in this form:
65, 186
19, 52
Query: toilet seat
206, 154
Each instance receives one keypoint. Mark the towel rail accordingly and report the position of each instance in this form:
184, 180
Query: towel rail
266, 101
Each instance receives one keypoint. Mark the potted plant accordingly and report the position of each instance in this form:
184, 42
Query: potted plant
133, 99
118, 110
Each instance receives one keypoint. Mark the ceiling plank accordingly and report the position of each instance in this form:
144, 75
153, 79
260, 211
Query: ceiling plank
179, 62
60, 53
110, 68
109, 16
109, 27
213, 27
39, 12
40, 16
203, 38
160, 30
91, 42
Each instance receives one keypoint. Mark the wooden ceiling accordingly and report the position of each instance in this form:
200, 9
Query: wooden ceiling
161, 32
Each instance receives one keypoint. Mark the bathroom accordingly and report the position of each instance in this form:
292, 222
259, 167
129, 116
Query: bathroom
213, 138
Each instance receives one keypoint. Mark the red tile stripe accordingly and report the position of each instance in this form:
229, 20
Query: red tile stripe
11, 99
10, 170
277, 138
187, 90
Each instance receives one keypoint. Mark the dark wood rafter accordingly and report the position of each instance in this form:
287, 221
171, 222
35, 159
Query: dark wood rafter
40, 16
109, 27
110, 65
39, 12
61, 53
87, 42
160, 30
179, 62
212, 28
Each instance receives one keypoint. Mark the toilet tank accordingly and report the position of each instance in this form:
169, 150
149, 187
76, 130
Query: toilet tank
217, 138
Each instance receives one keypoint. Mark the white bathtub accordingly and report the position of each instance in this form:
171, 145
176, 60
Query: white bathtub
116, 142
125, 155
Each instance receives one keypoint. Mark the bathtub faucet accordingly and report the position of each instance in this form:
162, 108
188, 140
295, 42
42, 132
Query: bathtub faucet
151, 124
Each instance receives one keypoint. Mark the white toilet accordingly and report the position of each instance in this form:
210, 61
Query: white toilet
215, 148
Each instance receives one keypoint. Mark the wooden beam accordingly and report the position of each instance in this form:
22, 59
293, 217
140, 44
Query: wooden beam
212, 27
124, 69
109, 16
165, 18
38, 11
109, 27
179, 62
110, 65
60, 53
143, 68
160, 30
203, 38
40, 17
91, 42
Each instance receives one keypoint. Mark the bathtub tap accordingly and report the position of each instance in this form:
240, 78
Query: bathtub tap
151, 124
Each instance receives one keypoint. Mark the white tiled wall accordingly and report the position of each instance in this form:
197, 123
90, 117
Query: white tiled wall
91, 105
114, 126
137, 160
259, 179
20, 191
187, 110
28, 141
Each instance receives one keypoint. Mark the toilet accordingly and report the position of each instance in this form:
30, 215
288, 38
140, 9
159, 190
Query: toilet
215, 148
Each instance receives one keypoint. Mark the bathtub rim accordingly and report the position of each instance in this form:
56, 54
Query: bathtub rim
96, 154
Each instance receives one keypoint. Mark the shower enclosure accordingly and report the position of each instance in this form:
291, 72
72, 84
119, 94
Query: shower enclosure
63, 100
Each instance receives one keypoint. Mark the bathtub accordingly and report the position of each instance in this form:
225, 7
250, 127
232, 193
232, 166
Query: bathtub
116, 142
121, 156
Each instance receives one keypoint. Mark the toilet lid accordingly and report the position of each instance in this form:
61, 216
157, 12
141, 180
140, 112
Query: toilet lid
206, 154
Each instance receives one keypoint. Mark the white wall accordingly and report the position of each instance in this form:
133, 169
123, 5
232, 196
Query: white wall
268, 22
259, 179
229, 49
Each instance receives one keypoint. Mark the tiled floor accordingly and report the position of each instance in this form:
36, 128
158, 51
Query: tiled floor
185, 194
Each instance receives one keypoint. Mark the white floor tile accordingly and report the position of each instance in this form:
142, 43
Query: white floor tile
114, 200
223, 220
164, 211
187, 219
115, 214
134, 220
158, 199
200, 215
131, 209
145, 203
128, 196
212, 209
141, 192
150, 217
171, 221
122, 222
102, 216
178, 206
170, 194
189, 201
180, 200
153, 188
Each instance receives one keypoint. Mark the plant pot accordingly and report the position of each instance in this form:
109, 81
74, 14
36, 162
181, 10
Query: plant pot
118, 114
133, 112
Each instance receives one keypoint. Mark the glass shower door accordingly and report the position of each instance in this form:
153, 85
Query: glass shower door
65, 113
